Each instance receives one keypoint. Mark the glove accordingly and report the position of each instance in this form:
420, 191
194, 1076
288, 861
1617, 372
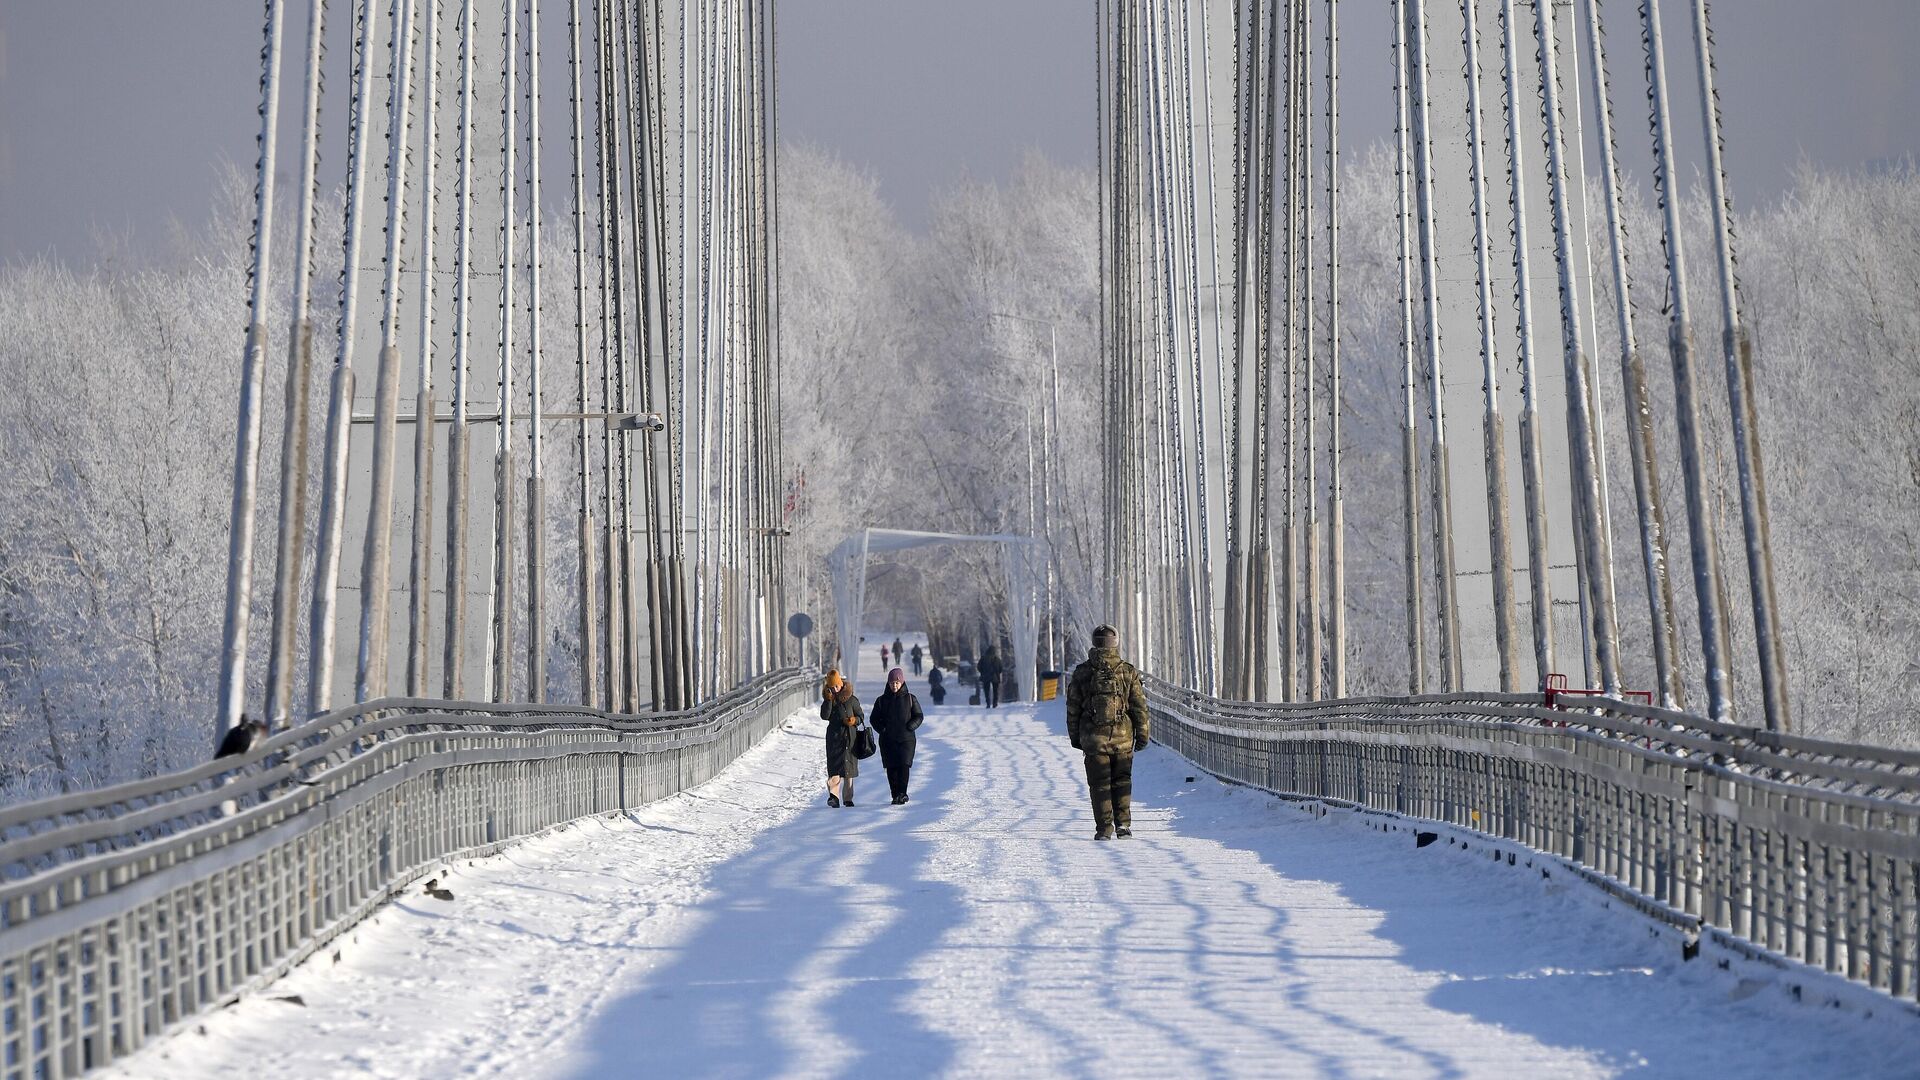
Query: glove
1139, 743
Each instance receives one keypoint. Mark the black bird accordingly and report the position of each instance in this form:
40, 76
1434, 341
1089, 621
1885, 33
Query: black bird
249, 734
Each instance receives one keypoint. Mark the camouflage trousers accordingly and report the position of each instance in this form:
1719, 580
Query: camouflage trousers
1110, 783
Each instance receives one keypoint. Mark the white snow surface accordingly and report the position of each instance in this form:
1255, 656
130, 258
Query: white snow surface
745, 929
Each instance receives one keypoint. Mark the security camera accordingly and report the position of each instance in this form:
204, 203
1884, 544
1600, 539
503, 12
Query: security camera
651, 422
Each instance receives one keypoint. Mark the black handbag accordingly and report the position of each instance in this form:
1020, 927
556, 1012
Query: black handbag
863, 744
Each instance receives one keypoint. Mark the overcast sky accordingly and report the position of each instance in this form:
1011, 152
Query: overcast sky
115, 114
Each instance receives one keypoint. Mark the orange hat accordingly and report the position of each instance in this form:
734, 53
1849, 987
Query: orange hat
834, 681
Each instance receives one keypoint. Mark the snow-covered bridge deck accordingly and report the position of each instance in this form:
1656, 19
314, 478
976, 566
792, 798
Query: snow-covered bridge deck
744, 929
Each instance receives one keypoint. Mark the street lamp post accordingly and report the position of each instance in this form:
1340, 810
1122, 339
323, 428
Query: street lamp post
1033, 500
1048, 487
1032, 513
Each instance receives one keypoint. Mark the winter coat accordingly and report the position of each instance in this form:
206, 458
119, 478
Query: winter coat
896, 715
899, 651
842, 713
990, 666
1106, 705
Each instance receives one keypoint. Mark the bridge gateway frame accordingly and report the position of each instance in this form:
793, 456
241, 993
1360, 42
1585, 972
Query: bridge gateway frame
849, 564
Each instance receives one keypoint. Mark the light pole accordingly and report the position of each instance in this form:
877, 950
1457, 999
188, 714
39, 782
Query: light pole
1027, 414
1048, 487
1027, 411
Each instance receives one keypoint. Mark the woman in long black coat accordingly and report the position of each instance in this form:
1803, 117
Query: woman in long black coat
896, 716
841, 710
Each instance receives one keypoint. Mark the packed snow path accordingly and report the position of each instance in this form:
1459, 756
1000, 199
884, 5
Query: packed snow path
745, 929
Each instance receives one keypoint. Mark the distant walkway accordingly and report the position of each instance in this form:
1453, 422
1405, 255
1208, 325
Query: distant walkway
745, 930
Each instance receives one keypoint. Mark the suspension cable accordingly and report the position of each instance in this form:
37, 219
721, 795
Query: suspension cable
293, 447
424, 414
1640, 432
326, 576
370, 673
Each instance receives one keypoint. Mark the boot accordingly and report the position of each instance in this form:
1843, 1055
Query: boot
1103, 832
1123, 831
833, 801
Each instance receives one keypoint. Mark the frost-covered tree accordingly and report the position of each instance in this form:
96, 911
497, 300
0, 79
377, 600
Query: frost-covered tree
905, 393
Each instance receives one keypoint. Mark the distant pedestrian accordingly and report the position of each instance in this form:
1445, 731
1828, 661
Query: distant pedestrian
1107, 722
990, 669
896, 716
917, 656
899, 652
883, 657
841, 710
937, 685
241, 738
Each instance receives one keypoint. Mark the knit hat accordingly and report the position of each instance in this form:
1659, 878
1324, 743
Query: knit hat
833, 680
1106, 637
896, 675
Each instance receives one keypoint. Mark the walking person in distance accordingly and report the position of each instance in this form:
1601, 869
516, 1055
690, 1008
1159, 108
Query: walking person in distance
916, 654
937, 685
896, 716
990, 669
1107, 722
841, 710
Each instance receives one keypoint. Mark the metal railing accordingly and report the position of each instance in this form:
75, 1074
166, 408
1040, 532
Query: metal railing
126, 910
1773, 844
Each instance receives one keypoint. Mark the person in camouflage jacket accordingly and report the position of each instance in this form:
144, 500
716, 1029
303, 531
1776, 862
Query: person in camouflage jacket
1107, 721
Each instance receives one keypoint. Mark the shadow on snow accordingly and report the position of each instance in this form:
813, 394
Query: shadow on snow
781, 921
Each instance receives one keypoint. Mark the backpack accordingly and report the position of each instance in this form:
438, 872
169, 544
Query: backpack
1106, 707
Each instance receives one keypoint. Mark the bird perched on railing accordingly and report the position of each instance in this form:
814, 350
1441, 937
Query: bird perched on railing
245, 736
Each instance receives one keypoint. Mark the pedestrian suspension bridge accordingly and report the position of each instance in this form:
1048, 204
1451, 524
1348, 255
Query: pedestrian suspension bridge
522, 564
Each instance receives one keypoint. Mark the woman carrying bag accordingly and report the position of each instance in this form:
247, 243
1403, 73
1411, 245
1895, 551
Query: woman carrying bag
896, 716
841, 710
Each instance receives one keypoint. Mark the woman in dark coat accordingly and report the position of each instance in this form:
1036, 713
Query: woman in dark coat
896, 716
841, 710
937, 684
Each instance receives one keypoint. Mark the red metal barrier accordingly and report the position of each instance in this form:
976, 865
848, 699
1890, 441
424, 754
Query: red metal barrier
1556, 686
